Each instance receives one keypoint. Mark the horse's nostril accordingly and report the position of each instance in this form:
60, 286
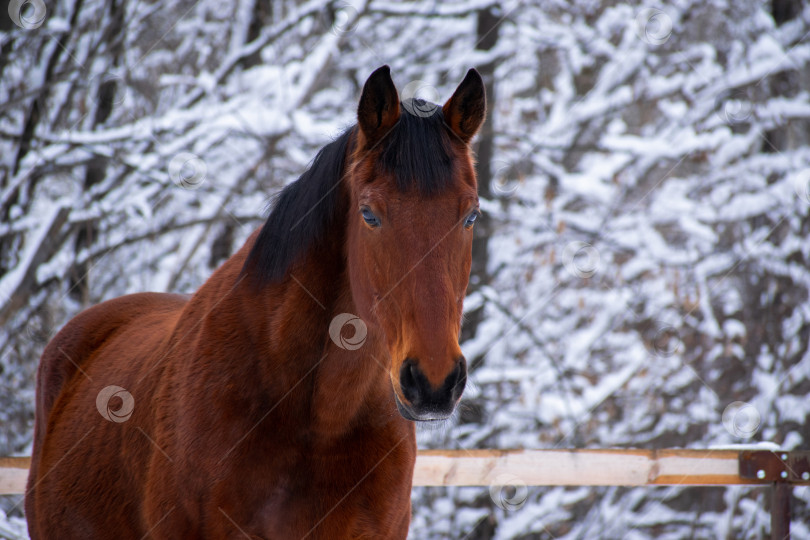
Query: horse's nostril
460, 378
409, 380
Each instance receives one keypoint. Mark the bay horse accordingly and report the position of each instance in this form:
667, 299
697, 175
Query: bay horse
279, 400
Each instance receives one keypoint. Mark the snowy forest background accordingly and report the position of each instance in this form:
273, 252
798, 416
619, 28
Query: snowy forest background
641, 267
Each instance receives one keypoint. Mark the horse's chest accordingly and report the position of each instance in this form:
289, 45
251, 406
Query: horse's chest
319, 514
342, 495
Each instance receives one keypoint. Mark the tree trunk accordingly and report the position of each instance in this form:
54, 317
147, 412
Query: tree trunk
487, 37
79, 288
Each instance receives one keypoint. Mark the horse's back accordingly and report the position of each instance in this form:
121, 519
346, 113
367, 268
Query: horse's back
66, 366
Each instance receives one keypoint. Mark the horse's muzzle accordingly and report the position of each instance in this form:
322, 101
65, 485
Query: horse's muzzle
425, 402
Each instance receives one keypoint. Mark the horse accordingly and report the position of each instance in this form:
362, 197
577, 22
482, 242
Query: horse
280, 399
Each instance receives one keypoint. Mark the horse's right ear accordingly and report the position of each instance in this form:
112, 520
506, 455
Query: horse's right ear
378, 111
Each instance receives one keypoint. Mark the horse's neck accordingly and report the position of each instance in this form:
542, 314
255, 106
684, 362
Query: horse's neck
351, 386
285, 328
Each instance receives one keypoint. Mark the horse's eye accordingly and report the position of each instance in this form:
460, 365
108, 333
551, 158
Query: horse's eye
470, 221
369, 217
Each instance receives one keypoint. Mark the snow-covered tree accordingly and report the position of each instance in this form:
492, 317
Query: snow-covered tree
642, 266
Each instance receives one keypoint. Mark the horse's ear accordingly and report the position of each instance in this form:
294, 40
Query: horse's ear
379, 106
466, 110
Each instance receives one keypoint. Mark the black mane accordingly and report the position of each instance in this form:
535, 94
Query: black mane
417, 152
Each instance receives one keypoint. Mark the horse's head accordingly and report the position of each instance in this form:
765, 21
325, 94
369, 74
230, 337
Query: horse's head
412, 205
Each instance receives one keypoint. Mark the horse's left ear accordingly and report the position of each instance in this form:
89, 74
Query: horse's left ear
466, 110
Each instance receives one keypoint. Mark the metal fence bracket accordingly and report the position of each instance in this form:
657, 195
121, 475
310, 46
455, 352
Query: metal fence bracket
781, 470
769, 466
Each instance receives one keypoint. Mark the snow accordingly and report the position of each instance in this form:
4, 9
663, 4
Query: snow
684, 166
12, 527
12, 280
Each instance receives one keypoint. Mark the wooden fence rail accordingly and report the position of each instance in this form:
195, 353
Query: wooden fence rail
583, 467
